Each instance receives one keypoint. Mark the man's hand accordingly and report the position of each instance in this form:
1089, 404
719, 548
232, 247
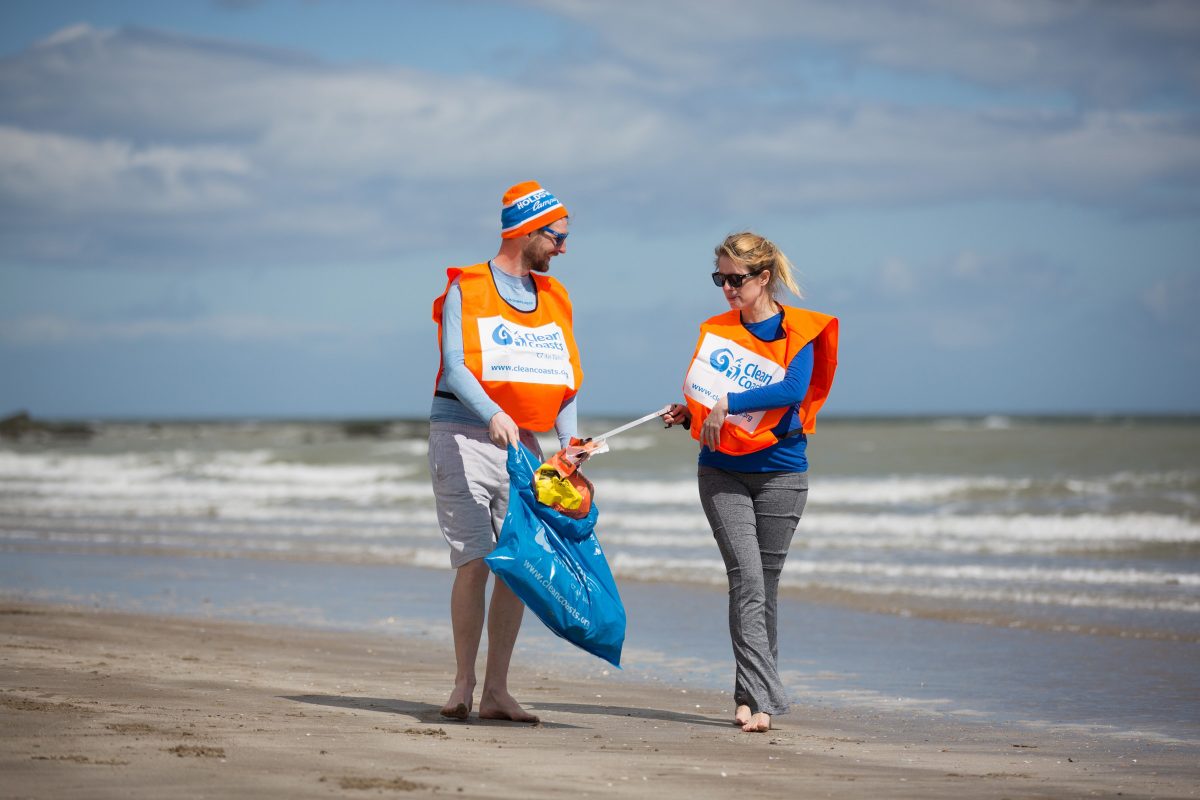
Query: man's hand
503, 431
710, 431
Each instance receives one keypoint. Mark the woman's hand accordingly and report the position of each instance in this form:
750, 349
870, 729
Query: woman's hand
503, 431
677, 415
710, 431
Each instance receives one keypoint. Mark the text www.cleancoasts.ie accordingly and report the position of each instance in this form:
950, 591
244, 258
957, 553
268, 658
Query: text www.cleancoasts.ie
556, 595
532, 370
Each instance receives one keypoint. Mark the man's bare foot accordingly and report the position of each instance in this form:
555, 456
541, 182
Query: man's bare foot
759, 723
460, 711
459, 704
741, 716
504, 706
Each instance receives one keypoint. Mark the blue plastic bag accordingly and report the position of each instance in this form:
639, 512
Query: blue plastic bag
556, 566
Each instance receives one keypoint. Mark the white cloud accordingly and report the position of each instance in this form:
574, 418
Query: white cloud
962, 331
967, 264
963, 301
71, 174
896, 277
71, 33
56, 329
884, 154
1103, 52
130, 145
1173, 299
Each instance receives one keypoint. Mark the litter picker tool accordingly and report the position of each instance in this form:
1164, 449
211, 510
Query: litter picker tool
560, 484
568, 459
597, 440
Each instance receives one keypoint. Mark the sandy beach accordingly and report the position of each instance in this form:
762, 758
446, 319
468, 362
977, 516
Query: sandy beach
102, 704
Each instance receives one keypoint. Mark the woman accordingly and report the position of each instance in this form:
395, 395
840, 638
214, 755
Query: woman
760, 373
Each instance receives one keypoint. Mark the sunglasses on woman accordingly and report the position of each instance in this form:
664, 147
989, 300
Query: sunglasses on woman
735, 279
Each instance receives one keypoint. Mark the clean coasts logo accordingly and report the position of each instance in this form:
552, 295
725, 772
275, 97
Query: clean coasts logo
747, 376
516, 353
508, 337
721, 366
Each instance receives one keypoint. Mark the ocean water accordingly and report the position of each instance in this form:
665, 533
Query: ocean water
1061, 556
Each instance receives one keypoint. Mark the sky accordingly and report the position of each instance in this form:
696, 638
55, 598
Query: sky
246, 209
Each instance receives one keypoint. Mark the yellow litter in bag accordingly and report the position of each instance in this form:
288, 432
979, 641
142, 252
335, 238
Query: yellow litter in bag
555, 491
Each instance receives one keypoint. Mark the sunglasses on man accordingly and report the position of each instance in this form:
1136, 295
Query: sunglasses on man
559, 238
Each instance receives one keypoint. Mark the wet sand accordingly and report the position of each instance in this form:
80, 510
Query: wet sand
98, 704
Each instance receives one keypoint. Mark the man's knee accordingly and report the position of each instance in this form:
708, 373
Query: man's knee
474, 572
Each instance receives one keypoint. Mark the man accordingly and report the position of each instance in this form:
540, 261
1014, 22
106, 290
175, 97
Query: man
509, 367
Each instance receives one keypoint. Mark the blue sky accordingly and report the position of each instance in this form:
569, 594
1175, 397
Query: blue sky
246, 208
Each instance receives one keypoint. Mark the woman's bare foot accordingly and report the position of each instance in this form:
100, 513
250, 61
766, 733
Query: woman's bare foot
741, 716
504, 706
460, 702
759, 723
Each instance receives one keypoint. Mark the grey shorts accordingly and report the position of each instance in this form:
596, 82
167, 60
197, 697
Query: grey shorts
470, 487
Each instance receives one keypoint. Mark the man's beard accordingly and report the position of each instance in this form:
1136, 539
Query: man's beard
535, 261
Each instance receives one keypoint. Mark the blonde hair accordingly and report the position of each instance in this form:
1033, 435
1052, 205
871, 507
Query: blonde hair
756, 252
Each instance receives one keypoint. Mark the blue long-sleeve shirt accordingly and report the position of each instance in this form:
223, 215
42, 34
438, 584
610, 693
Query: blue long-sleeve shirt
473, 406
790, 453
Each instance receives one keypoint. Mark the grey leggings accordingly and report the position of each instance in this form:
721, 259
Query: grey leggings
753, 516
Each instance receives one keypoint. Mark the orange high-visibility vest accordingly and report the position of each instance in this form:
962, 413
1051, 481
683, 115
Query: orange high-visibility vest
729, 358
526, 361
